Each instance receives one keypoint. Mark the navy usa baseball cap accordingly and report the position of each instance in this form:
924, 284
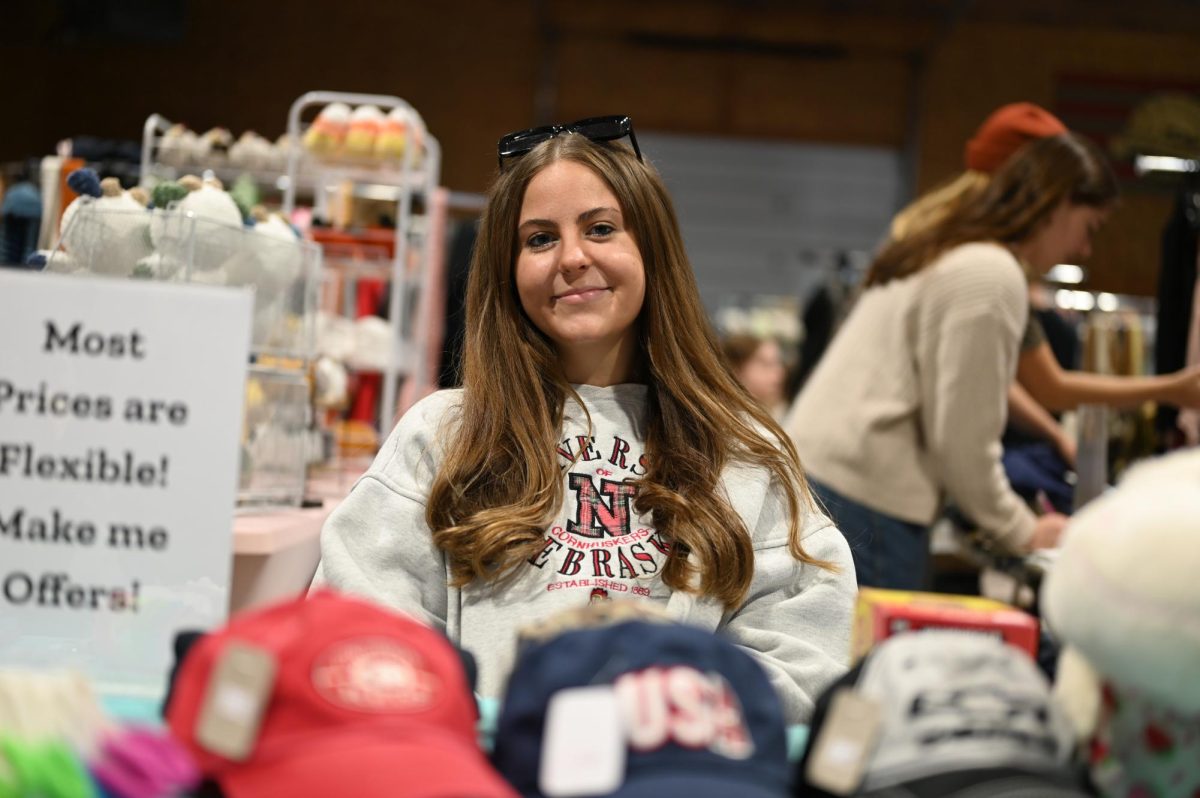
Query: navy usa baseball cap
698, 717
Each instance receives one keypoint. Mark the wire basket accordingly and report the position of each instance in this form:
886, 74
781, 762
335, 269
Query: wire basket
284, 273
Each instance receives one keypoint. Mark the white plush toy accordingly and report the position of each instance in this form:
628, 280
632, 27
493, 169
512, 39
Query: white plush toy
269, 259
1124, 598
203, 228
252, 151
179, 146
106, 230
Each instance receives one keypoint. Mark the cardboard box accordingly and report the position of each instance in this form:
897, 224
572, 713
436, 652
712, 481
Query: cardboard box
880, 614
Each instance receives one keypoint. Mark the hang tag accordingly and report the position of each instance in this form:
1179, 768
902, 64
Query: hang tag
845, 743
583, 747
238, 691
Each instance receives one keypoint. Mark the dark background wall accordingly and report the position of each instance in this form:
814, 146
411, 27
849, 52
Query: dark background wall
913, 75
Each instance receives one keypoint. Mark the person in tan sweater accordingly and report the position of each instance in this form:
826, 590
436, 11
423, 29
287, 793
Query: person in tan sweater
908, 403
1041, 385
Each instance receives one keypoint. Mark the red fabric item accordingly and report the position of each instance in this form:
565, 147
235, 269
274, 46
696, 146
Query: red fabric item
365, 702
1007, 130
364, 406
369, 297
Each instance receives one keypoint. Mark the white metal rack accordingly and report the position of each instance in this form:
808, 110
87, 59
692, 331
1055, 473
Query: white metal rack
410, 183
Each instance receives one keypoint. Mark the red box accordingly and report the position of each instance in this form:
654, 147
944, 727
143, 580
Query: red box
880, 614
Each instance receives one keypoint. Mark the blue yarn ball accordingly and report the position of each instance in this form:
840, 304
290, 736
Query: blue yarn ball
84, 182
36, 260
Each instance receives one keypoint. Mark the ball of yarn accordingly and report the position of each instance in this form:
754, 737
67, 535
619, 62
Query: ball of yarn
84, 182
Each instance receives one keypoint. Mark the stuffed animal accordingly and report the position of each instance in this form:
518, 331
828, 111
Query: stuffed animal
103, 231
365, 123
268, 257
251, 151
203, 227
213, 147
325, 136
393, 136
179, 146
1124, 598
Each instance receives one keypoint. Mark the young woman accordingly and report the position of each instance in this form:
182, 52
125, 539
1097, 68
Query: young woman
909, 401
1042, 384
599, 447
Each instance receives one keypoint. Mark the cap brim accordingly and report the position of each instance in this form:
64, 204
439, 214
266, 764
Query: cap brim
695, 785
370, 767
982, 785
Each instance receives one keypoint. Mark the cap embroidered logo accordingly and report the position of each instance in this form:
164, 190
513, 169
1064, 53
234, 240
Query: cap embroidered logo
682, 705
375, 675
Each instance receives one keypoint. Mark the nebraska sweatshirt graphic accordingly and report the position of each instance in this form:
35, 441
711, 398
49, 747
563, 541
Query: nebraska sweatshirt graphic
796, 617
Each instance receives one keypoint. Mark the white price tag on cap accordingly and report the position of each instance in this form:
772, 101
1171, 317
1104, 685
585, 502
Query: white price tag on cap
842, 750
583, 745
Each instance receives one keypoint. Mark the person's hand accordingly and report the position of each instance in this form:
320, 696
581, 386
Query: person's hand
1047, 531
1186, 391
1064, 444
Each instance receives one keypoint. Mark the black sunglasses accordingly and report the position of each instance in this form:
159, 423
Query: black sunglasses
596, 128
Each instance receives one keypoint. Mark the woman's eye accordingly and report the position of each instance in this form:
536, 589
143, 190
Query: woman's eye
602, 229
538, 240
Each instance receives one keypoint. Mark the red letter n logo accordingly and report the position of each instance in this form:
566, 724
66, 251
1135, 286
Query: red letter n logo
594, 518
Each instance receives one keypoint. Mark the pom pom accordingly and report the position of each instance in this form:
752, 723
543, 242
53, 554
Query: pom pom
84, 182
36, 260
111, 187
166, 193
191, 182
139, 195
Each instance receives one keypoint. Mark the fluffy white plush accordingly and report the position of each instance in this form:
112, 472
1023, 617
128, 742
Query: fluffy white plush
1125, 592
108, 234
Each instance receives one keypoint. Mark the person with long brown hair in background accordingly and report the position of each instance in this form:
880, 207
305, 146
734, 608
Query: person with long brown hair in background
757, 362
1042, 384
908, 403
599, 446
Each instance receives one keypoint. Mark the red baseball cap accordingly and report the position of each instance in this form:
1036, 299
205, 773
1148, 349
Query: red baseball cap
364, 702
1008, 129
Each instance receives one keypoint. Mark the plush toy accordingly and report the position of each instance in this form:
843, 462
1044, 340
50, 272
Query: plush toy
178, 147
393, 136
251, 151
325, 136
268, 258
1124, 598
213, 147
335, 336
104, 230
331, 384
202, 227
365, 123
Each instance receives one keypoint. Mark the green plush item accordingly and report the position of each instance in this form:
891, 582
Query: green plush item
45, 769
167, 192
245, 194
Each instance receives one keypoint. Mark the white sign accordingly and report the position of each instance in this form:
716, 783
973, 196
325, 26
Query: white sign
120, 417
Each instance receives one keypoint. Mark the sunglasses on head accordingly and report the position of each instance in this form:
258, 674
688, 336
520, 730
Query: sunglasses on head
596, 128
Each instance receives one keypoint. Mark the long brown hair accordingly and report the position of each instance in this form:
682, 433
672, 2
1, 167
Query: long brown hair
1014, 205
500, 483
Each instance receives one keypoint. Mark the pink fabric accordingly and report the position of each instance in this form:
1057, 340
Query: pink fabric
144, 763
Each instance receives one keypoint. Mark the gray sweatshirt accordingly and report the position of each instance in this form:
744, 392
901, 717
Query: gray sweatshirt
796, 618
